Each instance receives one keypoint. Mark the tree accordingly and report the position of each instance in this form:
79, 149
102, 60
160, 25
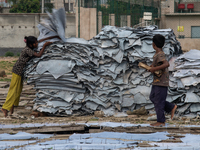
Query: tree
12, 1
29, 6
48, 6
26, 6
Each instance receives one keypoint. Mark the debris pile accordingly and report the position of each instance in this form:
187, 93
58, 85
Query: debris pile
80, 77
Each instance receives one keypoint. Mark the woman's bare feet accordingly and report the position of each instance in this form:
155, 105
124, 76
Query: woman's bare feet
5, 112
12, 110
157, 124
173, 111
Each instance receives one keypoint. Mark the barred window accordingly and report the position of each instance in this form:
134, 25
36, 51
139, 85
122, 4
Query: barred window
195, 31
67, 7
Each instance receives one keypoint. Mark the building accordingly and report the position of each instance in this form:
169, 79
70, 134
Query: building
4, 6
4, 3
183, 17
69, 5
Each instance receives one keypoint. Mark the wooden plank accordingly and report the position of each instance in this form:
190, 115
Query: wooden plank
46, 129
26, 98
29, 92
56, 129
174, 140
21, 98
175, 128
81, 128
195, 128
95, 130
8, 131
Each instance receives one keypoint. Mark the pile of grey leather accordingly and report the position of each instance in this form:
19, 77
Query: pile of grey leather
184, 83
79, 77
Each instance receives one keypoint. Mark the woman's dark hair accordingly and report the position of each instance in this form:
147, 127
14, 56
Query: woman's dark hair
159, 40
30, 40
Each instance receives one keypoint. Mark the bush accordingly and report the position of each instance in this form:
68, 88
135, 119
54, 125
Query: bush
11, 54
18, 54
26, 6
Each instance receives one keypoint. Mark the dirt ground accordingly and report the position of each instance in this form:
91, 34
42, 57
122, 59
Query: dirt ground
23, 114
6, 64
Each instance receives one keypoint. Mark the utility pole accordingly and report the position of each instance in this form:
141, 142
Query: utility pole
64, 4
42, 6
69, 5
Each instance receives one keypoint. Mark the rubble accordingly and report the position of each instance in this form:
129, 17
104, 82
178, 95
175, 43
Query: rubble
80, 77
2, 73
141, 111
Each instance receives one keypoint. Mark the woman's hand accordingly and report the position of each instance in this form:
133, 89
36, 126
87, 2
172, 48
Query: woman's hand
42, 50
48, 38
47, 43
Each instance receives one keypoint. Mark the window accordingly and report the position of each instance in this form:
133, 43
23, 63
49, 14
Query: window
195, 31
67, 7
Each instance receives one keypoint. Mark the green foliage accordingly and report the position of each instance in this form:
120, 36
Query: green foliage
48, 7
18, 54
5, 79
26, 6
5, 64
29, 6
119, 8
11, 54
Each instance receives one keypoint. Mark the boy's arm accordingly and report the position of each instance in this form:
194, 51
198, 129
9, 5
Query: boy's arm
163, 66
42, 50
48, 38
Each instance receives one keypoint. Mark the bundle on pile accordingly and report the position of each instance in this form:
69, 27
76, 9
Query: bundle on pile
184, 83
80, 77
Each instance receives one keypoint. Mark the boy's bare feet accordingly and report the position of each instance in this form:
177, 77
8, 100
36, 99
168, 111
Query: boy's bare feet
5, 112
158, 124
12, 110
173, 111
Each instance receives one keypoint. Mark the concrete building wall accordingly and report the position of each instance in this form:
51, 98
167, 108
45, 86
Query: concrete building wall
195, 9
60, 4
171, 19
88, 23
167, 7
188, 44
70, 30
4, 10
57, 3
187, 22
13, 28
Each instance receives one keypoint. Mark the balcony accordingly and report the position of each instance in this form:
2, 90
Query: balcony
187, 6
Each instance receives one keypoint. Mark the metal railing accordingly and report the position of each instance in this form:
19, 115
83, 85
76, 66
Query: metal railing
187, 6
124, 12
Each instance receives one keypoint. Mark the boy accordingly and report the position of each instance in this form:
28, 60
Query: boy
160, 83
